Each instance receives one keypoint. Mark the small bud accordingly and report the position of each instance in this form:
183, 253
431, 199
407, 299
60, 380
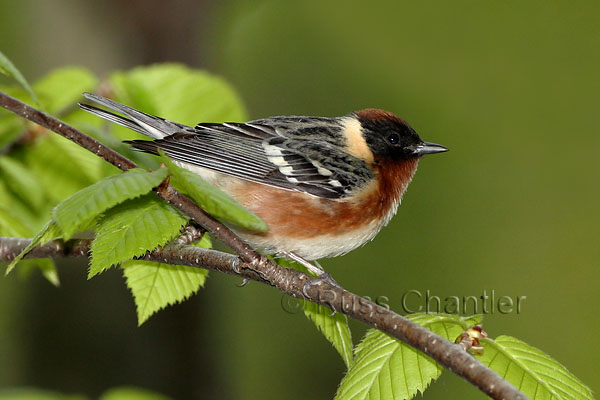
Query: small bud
469, 340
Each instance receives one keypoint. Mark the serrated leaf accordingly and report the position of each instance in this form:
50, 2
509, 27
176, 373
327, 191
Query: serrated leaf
7, 68
88, 203
155, 285
215, 202
131, 229
22, 182
49, 232
386, 368
532, 371
62, 87
334, 327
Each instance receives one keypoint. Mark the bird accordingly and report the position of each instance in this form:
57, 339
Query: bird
324, 185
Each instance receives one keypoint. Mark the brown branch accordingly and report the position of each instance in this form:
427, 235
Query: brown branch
252, 265
168, 193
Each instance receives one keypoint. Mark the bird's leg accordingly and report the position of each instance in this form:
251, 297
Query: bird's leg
315, 269
322, 275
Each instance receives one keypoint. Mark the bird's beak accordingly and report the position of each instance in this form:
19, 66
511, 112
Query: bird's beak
429, 148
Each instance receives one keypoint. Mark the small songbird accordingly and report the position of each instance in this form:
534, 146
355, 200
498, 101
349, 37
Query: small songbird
324, 186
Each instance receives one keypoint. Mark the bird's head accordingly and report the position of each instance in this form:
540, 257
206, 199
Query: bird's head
390, 137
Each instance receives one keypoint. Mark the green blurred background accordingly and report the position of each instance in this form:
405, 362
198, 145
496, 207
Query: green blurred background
510, 87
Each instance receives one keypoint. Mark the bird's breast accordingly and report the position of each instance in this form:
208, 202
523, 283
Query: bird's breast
310, 226
314, 227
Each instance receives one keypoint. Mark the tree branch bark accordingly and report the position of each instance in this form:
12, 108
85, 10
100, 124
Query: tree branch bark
251, 265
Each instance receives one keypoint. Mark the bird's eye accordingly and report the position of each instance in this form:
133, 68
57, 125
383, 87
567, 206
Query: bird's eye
394, 138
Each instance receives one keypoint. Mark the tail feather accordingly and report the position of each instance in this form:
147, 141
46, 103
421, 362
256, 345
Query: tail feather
138, 121
107, 115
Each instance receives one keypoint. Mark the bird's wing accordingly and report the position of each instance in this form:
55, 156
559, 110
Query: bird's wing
306, 158
295, 153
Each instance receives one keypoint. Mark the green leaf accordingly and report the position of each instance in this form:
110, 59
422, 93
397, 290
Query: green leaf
33, 220
49, 271
11, 225
131, 229
6, 198
84, 167
448, 326
45, 265
386, 368
85, 205
155, 285
11, 128
157, 89
334, 327
204, 242
131, 393
532, 371
7, 68
212, 200
49, 232
62, 88
22, 182
50, 170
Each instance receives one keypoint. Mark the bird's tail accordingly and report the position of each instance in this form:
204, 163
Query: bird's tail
138, 121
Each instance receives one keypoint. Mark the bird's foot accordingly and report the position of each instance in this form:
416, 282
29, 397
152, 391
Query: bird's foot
322, 276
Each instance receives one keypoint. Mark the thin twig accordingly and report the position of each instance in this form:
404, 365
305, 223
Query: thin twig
168, 193
252, 265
